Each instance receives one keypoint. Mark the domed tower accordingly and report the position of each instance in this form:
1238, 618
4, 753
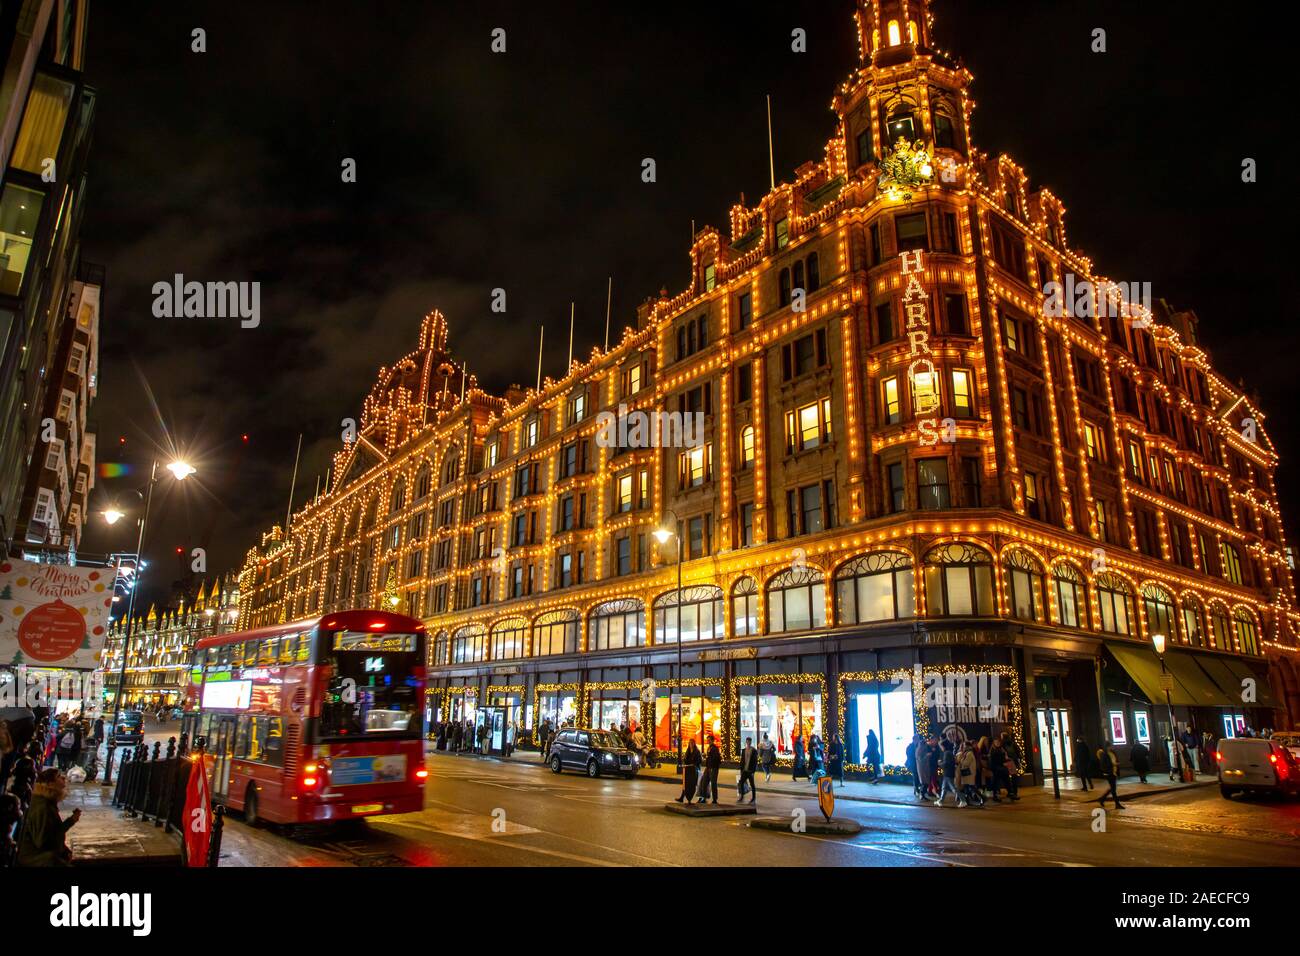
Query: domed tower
904, 88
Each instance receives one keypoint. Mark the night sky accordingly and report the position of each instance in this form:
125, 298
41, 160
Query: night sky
522, 170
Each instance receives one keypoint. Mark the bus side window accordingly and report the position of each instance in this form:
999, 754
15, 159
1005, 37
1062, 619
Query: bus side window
275, 742
288, 649
250, 654
304, 647
237, 655
266, 654
257, 740
241, 737
223, 654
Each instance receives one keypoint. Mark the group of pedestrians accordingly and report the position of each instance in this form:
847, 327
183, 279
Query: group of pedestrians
971, 771
817, 759
700, 772
34, 753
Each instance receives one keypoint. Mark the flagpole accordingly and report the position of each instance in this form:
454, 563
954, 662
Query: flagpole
289, 510
771, 161
570, 365
609, 300
464, 374
540, 339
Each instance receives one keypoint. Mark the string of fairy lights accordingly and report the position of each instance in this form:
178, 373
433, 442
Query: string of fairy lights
408, 427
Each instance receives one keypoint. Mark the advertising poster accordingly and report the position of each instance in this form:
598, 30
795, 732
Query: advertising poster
53, 615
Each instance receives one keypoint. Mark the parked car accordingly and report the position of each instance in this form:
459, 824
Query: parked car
1290, 739
1255, 765
130, 728
594, 751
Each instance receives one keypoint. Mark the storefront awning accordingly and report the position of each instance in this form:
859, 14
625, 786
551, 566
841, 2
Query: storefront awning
1205, 691
1144, 667
1239, 670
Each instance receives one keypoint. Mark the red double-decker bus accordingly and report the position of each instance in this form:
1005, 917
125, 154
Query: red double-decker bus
318, 720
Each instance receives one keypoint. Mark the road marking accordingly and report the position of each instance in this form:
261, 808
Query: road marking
418, 825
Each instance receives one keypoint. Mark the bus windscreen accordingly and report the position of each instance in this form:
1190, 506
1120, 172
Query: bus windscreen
374, 686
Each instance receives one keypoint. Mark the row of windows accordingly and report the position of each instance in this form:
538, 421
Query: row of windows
959, 580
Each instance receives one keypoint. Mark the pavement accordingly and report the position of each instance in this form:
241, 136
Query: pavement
106, 836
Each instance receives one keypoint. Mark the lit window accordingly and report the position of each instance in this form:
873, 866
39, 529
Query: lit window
809, 428
1091, 440
961, 396
531, 432
892, 411
746, 446
625, 492
925, 399
895, 36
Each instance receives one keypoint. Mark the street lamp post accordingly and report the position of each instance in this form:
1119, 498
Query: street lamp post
662, 535
1158, 640
181, 470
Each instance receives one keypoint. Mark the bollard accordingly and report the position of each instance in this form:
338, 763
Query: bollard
121, 776
108, 762
218, 824
171, 747
185, 745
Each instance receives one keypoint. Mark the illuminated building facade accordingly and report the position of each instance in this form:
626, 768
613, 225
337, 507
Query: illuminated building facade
162, 644
931, 493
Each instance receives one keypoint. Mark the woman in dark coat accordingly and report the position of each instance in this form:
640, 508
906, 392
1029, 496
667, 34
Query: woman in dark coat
1083, 762
42, 842
1141, 758
872, 755
800, 765
835, 758
690, 773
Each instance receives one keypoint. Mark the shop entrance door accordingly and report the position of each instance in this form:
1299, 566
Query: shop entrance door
493, 717
1058, 729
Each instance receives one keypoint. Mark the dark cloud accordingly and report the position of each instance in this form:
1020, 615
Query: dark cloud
522, 171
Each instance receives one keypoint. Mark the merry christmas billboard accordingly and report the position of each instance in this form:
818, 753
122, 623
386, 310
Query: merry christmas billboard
52, 615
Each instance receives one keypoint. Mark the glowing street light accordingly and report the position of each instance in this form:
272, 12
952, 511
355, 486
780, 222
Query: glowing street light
113, 516
181, 469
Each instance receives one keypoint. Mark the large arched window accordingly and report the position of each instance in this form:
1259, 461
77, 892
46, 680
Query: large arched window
744, 607
556, 633
1220, 629
508, 639
796, 600
423, 481
1115, 604
397, 501
1193, 620
701, 613
1158, 606
1024, 585
616, 624
958, 581
746, 446
875, 587
1071, 595
469, 644
1247, 631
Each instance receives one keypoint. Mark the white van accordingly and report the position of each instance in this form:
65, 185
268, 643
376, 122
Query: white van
1255, 765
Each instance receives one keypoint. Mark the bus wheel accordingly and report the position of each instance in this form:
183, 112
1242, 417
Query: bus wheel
251, 816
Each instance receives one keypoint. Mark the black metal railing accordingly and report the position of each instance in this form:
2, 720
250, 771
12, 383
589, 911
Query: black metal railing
151, 787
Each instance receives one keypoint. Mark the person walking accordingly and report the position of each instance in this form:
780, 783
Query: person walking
921, 767
1109, 764
800, 768
748, 768
483, 733
544, 739
1141, 758
712, 764
68, 745
998, 769
690, 772
767, 757
968, 774
1013, 765
1083, 762
835, 759
949, 771
872, 756
816, 759
43, 841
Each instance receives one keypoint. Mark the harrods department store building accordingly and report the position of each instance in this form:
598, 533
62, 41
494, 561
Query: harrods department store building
911, 464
